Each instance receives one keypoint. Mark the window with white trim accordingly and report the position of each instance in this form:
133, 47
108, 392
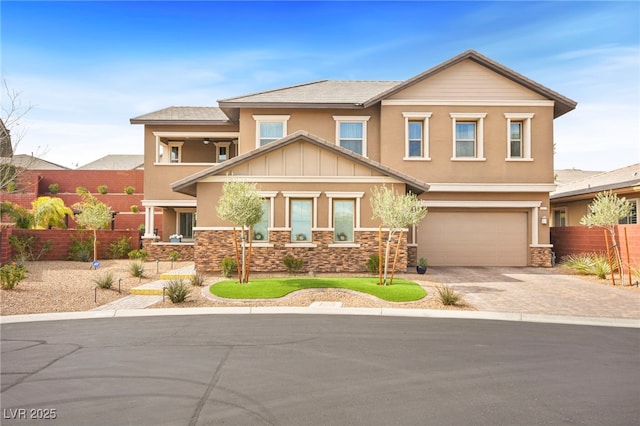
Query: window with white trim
632, 218
518, 135
270, 128
416, 135
468, 136
351, 133
301, 220
261, 229
175, 152
343, 220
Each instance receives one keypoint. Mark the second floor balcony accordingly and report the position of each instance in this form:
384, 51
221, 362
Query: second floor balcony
202, 148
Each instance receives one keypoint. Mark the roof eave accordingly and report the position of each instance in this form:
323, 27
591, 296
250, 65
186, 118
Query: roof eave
300, 105
181, 122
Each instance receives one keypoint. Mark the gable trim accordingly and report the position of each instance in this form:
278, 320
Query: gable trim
305, 179
444, 102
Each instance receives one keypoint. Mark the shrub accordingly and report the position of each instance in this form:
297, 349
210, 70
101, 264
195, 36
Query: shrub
134, 208
24, 246
173, 256
102, 189
54, 188
21, 216
81, 250
227, 266
373, 264
120, 248
197, 279
104, 281
588, 264
140, 254
448, 296
177, 291
293, 265
81, 190
11, 275
136, 269
129, 190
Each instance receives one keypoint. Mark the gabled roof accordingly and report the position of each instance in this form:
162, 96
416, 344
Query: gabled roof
562, 103
30, 162
625, 177
115, 162
188, 185
184, 115
324, 93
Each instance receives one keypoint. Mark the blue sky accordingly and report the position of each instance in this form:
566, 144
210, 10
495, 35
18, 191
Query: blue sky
88, 67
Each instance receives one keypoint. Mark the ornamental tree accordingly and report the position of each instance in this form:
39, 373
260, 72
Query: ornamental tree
93, 215
241, 205
605, 211
396, 211
48, 212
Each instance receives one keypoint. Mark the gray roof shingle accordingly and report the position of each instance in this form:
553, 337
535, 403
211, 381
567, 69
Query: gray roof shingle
188, 114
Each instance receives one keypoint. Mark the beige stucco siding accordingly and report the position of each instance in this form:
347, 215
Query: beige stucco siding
467, 80
319, 122
495, 168
210, 192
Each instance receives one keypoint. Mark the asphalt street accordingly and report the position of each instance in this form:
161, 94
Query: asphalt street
317, 370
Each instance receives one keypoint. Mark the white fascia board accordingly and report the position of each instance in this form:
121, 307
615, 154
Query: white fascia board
492, 187
481, 204
197, 134
169, 203
303, 179
440, 102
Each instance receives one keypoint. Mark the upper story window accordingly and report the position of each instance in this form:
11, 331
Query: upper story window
633, 216
270, 128
351, 133
175, 152
519, 136
468, 136
416, 135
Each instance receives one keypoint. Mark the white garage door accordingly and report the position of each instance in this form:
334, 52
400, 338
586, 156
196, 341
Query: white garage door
474, 238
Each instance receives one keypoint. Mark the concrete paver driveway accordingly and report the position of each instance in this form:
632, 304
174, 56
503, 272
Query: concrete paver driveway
538, 291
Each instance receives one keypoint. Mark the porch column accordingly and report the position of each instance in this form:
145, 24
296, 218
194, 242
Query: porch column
149, 222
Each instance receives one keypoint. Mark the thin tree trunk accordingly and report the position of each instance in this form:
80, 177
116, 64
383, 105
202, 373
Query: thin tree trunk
250, 251
380, 255
395, 259
95, 245
244, 271
387, 252
235, 244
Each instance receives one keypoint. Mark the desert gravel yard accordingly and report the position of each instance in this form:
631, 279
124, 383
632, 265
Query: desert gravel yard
66, 286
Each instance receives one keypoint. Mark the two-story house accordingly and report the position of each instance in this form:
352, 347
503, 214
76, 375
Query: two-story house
472, 138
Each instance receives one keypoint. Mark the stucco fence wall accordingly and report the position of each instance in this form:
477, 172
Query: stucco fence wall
581, 239
211, 247
61, 241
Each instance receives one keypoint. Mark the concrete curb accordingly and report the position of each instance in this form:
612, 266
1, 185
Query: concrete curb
389, 312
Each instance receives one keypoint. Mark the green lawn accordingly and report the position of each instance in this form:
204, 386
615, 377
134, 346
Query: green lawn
270, 288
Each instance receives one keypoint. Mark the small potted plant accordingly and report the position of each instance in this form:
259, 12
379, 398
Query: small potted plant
175, 238
422, 265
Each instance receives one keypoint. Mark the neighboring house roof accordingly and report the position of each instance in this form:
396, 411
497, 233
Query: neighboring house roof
115, 162
569, 175
30, 162
562, 103
184, 115
327, 93
188, 185
624, 177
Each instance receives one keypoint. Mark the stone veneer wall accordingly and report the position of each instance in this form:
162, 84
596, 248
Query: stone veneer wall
541, 256
161, 251
413, 255
213, 246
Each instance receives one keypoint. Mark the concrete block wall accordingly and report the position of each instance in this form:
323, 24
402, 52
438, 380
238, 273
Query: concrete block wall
581, 239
